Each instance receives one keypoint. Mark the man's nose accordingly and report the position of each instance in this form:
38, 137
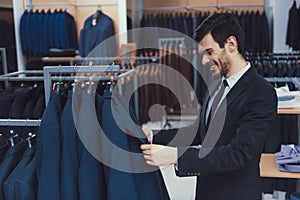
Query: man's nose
205, 59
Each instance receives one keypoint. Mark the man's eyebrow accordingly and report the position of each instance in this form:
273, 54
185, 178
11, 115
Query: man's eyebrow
206, 50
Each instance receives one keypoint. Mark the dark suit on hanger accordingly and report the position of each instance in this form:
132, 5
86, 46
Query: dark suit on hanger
293, 30
34, 33
9, 184
231, 169
46, 32
26, 185
3, 148
23, 32
92, 35
48, 151
149, 182
71, 153
115, 179
90, 169
12, 157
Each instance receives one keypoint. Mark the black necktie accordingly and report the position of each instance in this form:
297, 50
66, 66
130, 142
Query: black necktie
216, 101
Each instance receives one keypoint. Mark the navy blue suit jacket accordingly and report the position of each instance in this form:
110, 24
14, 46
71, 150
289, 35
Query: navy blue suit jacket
90, 176
91, 36
12, 158
71, 153
9, 184
49, 151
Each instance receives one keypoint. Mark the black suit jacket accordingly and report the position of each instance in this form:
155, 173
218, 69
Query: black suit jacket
227, 164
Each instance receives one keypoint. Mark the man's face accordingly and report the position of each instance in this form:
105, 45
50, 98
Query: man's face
214, 57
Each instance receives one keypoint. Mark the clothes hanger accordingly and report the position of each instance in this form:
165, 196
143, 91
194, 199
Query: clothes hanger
57, 85
31, 140
12, 138
96, 15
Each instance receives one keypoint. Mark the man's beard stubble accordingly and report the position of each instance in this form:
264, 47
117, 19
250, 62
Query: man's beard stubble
225, 64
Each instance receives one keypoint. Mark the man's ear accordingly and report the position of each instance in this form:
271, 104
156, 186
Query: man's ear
231, 43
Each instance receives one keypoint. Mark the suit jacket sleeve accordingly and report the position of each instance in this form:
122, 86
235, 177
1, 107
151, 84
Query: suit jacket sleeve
185, 136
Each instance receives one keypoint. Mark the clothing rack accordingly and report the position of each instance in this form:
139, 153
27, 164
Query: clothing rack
20, 122
76, 59
175, 39
49, 70
204, 7
281, 79
31, 5
277, 56
23, 72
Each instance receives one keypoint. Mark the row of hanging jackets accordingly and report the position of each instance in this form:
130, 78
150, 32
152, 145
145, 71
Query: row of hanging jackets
70, 145
21, 103
43, 30
293, 30
277, 67
254, 23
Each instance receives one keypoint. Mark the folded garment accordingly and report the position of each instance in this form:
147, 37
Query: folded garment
54, 52
285, 98
288, 159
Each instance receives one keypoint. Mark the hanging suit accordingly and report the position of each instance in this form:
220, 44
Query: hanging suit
23, 32
26, 185
9, 184
149, 180
91, 183
116, 180
3, 148
12, 157
93, 35
293, 30
48, 151
71, 152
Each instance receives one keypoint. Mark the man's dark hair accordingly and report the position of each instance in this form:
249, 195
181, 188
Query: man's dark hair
221, 26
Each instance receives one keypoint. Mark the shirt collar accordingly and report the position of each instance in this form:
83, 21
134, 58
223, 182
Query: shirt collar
232, 80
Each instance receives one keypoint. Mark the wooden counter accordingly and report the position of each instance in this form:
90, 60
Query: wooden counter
268, 168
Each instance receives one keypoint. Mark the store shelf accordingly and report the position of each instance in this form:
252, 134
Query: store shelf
288, 110
268, 168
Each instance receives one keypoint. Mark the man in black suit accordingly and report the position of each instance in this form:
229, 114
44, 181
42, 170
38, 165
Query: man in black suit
229, 135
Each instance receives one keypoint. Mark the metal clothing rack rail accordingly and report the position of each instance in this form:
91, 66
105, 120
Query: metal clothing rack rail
49, 70
30, 5
71, 60
20, 122
281, 79
23, 72
204, 7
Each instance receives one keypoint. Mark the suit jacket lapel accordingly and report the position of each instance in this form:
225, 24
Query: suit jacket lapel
204, 108
236, 91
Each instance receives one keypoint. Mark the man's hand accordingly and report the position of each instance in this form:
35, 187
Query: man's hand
149, 134
159, 155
